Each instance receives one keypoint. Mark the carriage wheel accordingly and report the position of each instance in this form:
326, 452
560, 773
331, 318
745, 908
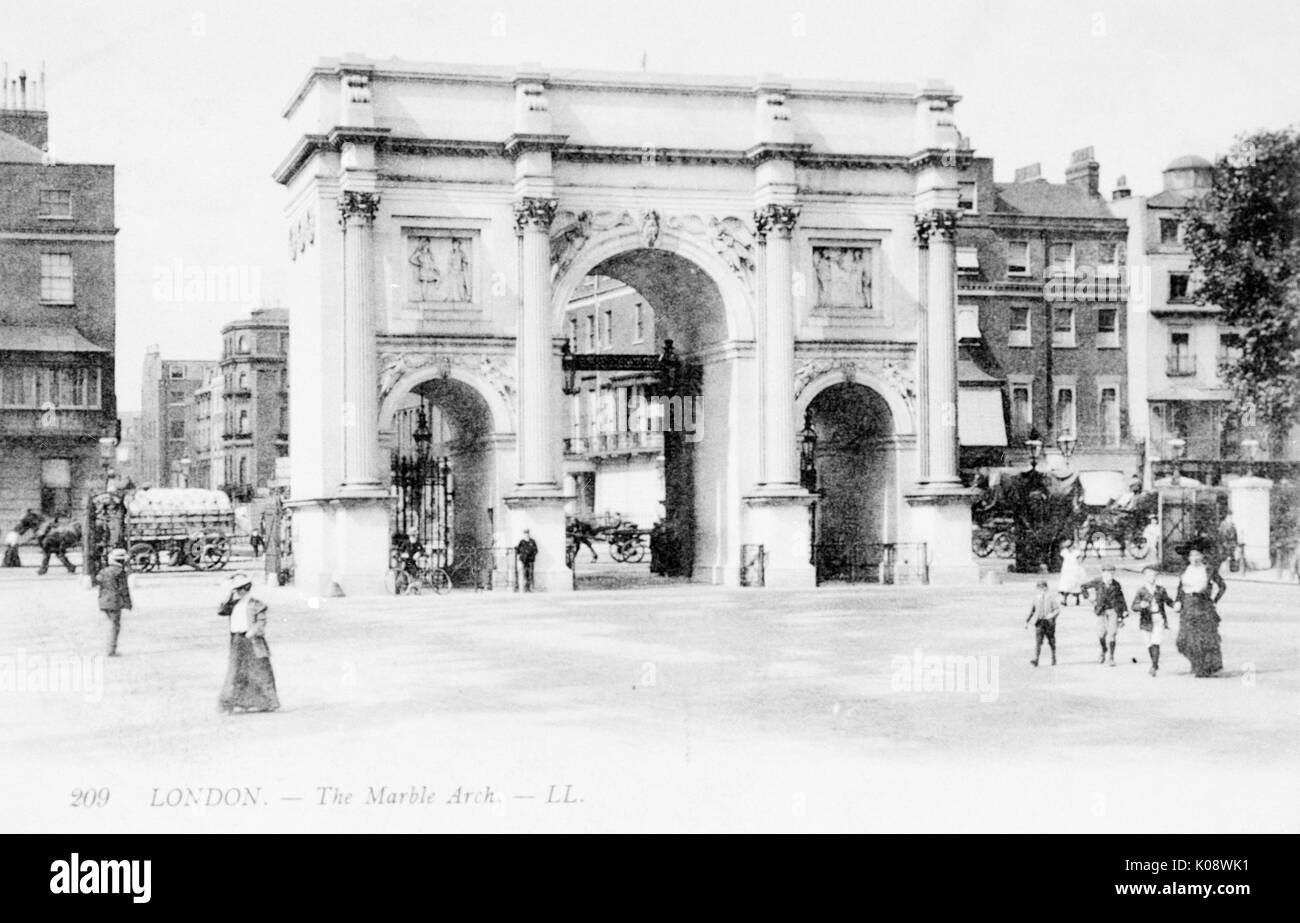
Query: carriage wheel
142, 557
1139, 547
440, 580
617, 550
212, 555
1097, 541
1004, 546
634, 552
981, 543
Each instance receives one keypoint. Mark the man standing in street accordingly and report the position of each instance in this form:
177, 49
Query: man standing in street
526, 552
114, 594
1109, 605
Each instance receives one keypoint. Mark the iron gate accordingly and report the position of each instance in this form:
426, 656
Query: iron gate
872, 562
1187, 515
423, 488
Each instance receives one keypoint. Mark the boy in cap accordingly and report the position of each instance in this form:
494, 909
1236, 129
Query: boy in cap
1149, 598
1043, 614
114, 595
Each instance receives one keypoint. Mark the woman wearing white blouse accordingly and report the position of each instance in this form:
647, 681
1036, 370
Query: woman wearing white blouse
1198, 615
250, 683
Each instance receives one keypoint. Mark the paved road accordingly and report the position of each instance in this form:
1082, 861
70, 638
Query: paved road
676, 708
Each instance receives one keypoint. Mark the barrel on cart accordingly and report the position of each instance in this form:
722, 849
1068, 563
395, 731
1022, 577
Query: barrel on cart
177, 527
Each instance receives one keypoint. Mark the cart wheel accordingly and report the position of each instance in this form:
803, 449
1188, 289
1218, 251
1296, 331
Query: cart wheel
1139, 547
212, 555
634, 554
396, 581
1004, 546
142, 557
440, 580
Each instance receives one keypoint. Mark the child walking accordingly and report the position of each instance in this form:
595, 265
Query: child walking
1150, 598
114, 595
1043, 614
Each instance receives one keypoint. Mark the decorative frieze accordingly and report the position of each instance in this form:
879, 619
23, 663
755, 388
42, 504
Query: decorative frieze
898, 373
496, 371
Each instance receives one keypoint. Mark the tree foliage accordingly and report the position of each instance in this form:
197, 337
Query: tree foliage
1244, 237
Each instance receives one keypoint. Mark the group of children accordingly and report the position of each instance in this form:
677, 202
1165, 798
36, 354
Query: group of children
1110, 609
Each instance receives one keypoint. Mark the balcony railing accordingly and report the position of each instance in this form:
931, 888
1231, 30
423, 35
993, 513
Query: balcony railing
228, 437
23, 422
1180, 365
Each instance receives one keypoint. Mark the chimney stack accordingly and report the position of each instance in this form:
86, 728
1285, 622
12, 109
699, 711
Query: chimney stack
1030, 174
1084, 172
1121, 189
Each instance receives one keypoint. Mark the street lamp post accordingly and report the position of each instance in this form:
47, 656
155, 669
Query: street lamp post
1035, 446
185, 471
1066, 442
1178, 445
107, 450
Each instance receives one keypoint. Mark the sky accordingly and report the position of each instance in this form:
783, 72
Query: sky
184, 98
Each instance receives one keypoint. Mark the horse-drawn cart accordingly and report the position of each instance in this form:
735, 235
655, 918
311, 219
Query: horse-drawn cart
178, 527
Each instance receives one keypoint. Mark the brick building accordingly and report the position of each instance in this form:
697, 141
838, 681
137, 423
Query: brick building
206, 426
1042, 319
613, 453
167, 391
57, 313
255, 407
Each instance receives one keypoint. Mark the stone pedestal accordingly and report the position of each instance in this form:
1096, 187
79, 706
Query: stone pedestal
542, 514
778, 520
340, 546
941, 518
1248, 498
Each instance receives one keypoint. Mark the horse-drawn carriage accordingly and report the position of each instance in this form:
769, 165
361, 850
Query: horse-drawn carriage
626, 540
178, 527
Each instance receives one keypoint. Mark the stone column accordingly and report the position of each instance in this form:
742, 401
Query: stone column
361, 404
775, 225
941, 347
922, 344
533, 217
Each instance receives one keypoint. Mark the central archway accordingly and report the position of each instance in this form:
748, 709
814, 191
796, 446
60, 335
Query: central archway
704, 429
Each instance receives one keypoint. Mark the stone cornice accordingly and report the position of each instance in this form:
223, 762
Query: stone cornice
995, 221
524, 143
958, 158
802, 155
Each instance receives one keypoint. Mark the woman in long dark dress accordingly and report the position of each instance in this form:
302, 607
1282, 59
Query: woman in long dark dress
1198, 619
250, 684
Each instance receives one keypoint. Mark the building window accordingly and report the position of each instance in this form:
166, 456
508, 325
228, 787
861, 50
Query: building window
1018, 258
968, 260
1170, 231
609, 328
243, 381
968, 322
243, 470
176, 371
1178, 283
176, 429
1022, 409
1181, 361
1063, 326
243, 422
966, 196
56, 486
1019, 334
1107, 328
1229, 353
56, 203
284, 419
1065, 417
36, 387
284, 343
1108, 414
1060, 259
573, 334
56, 278
284, 379
591, 333
1108, 260
638, 322
242, 345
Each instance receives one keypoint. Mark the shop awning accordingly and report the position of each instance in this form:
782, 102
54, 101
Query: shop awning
45, 340
968, 373
1100, 488
968, 258
979, 417
1190, 393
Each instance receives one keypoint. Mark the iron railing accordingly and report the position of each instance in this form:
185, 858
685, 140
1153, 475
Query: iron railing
872, 562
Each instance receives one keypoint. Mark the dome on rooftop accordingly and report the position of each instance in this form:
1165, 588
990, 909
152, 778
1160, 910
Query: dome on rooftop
1190, 162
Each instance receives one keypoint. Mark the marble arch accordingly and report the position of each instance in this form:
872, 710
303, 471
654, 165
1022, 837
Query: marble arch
455, 208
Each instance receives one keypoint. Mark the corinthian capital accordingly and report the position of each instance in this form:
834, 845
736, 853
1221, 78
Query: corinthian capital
362, 206
534, 212
940, 221
776, 219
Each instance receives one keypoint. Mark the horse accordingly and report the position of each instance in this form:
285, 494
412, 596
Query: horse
582, 533
53, 537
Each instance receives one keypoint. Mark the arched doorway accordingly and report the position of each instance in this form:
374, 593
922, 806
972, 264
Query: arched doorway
442, 473
660, 452
857, 479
